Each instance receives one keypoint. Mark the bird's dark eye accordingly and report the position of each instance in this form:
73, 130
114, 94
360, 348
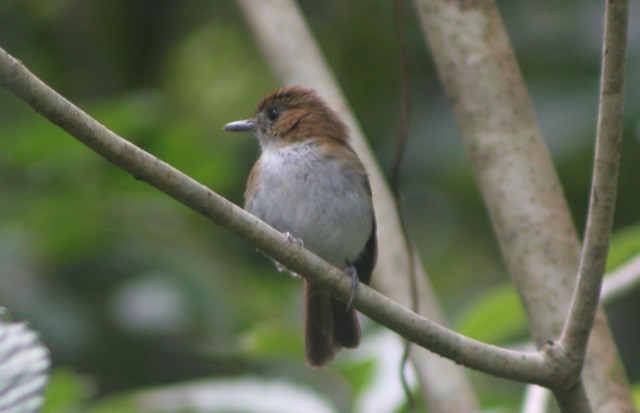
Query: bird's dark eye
273, 113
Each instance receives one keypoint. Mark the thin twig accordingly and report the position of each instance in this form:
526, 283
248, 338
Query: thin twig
404, 382
405, 118
396, 167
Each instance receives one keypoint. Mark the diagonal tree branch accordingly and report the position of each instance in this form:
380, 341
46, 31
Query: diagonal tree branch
537, 367
544, 368
605, 181
593, 260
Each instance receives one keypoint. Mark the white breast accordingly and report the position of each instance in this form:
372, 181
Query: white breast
313, 199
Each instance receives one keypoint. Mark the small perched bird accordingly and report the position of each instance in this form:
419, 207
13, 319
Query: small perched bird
309, 184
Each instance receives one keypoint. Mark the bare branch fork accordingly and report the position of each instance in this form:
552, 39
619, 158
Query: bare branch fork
522, 191
531, 367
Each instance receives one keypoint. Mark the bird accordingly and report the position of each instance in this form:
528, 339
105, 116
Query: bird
309, 184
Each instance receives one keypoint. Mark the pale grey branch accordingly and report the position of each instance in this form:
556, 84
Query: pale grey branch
519, 184
523, 366
604, 184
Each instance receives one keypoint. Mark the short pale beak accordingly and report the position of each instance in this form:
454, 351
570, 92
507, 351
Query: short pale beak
240, 126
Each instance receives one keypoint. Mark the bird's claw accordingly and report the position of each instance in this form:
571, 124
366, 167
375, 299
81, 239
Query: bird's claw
353, 273
297, 241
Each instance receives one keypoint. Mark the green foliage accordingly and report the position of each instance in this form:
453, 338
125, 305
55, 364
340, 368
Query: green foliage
68, 392
122, 404
636, 394
359, 374
495, 316
625, 244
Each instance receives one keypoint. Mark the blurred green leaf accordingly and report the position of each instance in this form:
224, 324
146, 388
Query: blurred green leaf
495, 316
625, 243
273, 338
635, 393
360, 373
67, 392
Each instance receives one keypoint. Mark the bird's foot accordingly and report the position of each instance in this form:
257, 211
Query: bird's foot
298, 243
355, 282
